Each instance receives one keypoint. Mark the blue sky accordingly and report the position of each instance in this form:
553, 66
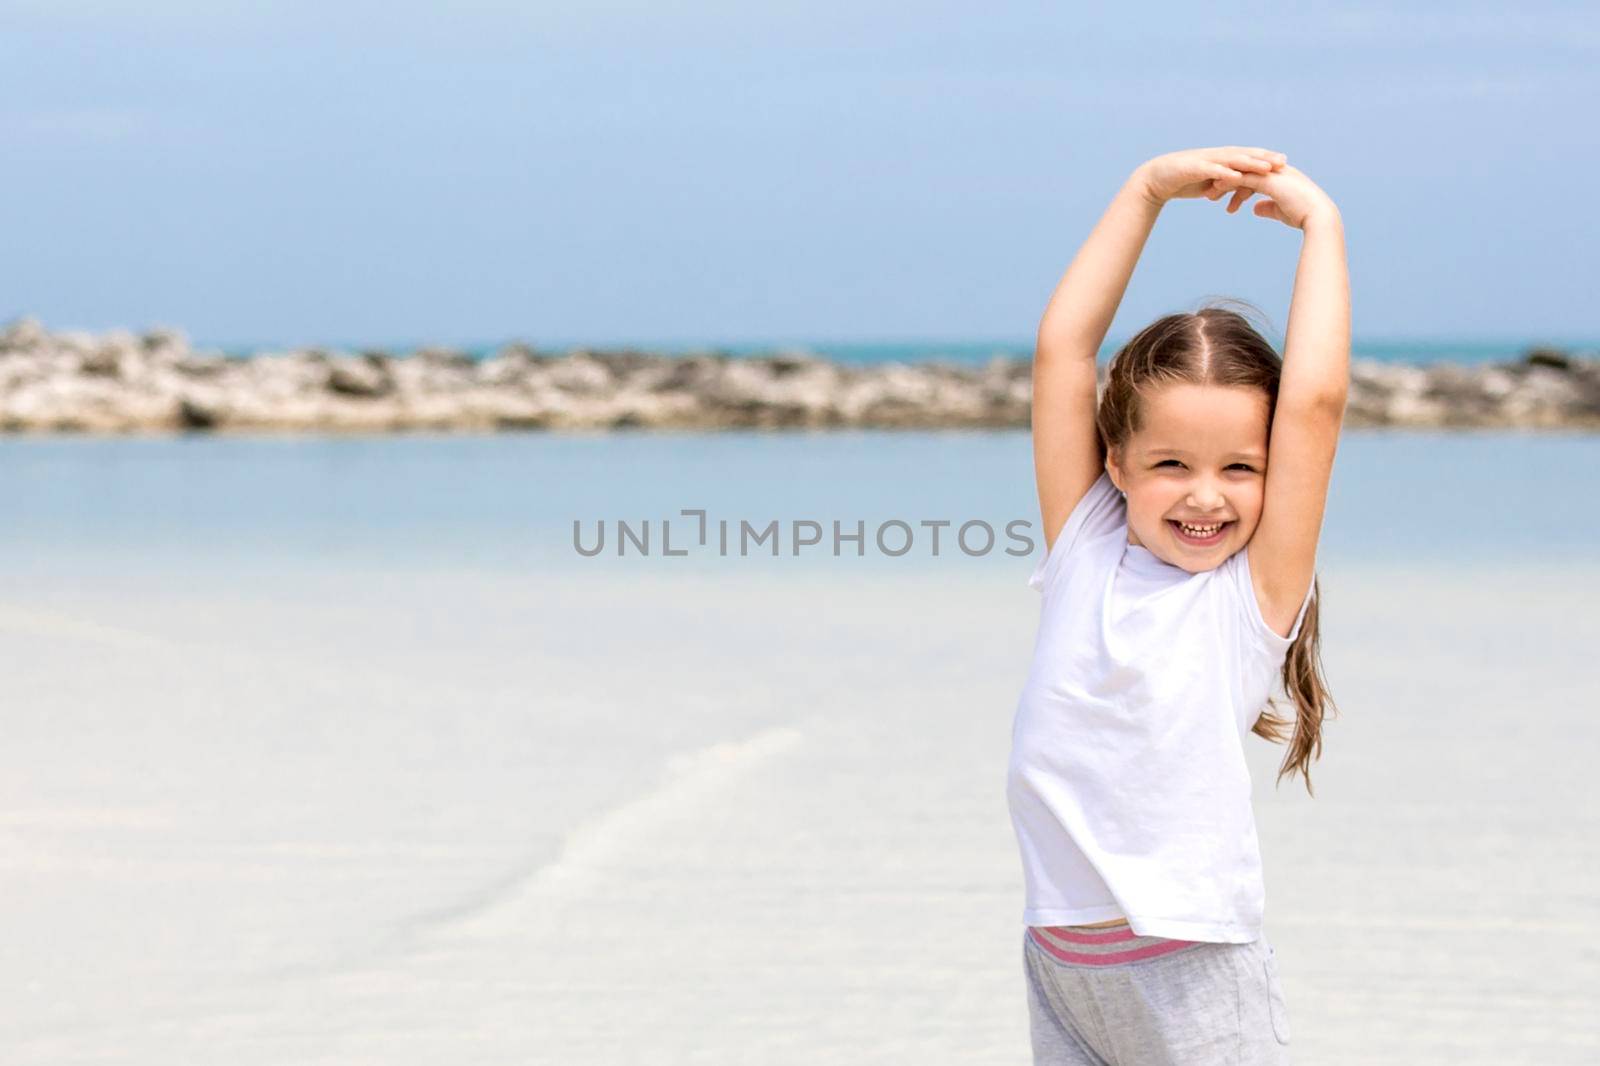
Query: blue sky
632, 172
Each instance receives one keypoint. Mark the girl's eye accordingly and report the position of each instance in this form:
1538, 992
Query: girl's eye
1240, 466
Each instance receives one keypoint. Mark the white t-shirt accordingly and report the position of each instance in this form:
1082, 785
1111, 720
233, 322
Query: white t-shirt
1127, 782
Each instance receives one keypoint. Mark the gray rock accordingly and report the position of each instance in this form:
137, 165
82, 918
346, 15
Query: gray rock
121, 382
366, 376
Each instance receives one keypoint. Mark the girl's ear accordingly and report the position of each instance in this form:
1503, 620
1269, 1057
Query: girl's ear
1114, 470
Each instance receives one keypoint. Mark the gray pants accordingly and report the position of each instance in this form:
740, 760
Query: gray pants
1099, 997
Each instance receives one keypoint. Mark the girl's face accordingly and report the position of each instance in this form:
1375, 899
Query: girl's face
1201, 458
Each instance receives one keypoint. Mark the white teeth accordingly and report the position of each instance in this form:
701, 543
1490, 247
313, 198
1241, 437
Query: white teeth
1199, 531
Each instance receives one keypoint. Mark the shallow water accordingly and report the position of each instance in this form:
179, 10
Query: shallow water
507, 503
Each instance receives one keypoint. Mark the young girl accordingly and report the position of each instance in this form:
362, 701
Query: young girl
1181, 517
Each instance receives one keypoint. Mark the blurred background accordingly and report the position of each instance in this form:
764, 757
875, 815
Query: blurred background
332, 747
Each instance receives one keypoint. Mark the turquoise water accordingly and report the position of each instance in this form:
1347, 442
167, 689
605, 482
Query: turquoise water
978, 352
508, 502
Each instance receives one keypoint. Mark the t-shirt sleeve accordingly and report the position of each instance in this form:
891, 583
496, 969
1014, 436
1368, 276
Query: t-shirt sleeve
1101, 510
1250, 608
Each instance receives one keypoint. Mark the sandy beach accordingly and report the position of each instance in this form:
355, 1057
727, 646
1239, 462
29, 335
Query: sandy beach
397, 817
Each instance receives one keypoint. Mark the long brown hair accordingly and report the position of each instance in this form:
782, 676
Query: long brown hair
1218, 346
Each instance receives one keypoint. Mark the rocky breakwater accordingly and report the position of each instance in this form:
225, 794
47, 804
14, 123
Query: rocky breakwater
121, 382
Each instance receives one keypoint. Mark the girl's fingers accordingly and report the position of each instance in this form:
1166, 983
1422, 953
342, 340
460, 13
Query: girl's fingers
1239, 197
1251, 159
1252, 162
1259, 182
1277, 158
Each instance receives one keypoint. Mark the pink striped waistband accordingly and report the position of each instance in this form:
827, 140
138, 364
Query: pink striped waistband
1078, 946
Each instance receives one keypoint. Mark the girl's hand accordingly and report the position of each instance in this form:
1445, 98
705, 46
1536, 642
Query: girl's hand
1196, 171
1293, 198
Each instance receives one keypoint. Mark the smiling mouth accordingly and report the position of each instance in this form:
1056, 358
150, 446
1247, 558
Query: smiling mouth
1208, 534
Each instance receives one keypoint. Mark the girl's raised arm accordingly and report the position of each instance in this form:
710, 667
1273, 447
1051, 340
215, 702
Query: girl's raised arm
1311, 395
1066, 448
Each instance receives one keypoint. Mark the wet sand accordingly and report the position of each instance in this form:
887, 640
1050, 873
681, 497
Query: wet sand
280, 816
